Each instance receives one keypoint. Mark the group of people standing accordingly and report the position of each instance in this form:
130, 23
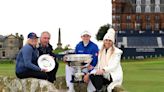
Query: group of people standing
104, 69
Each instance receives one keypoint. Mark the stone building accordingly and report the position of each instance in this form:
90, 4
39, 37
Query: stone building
139, 15
10, 45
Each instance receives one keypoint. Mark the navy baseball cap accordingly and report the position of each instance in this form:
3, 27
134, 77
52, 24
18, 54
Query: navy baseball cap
32, 35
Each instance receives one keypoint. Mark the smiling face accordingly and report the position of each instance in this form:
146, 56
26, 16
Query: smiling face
33, 42
44, 39
108, 43
86, 38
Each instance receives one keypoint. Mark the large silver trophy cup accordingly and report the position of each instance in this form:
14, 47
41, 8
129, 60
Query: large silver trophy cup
77, 61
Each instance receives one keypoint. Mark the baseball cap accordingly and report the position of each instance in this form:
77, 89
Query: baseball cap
86, 33
32, 35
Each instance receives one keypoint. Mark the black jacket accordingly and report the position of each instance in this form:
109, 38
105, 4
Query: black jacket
46, 50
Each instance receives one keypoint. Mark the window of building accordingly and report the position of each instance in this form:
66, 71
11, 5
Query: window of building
157, 18
143, 1
138, 26
128, 26
147, 8
138, 18
128, 18
118, 27
157, 2
118, 10
148, 27
11, 41
138, 9
148, 18
138, 2
147, 2
0, 46
3, 54
157, 8
113, 17
11, 48
156, 26
114, 25
114, 10
118, 18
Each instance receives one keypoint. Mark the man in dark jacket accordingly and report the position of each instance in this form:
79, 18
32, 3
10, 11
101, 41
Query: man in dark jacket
46, 48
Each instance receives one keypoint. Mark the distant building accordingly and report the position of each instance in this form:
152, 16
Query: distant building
138, 15
10, 45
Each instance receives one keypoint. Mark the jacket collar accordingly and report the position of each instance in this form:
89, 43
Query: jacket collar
87, 44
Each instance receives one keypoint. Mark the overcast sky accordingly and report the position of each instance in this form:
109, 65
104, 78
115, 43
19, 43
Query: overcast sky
72, 16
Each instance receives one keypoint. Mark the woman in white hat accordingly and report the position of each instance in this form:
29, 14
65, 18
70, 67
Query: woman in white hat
108, 70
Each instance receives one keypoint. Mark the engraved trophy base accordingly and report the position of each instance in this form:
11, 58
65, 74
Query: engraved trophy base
77, 79
76, 61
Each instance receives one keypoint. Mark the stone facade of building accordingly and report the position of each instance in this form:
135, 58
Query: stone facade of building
10, 45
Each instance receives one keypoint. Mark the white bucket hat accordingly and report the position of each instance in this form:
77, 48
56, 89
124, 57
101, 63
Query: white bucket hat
110, 35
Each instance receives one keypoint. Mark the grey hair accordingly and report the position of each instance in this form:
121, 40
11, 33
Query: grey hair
46, 33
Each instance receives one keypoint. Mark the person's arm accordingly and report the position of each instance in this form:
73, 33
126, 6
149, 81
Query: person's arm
76, 49
113, 64
27, 56
94, 56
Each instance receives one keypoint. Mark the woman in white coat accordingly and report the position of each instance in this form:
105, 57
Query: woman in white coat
108, 70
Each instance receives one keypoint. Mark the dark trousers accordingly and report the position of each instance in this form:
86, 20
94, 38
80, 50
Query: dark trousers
32, 74
50, 76
99, 81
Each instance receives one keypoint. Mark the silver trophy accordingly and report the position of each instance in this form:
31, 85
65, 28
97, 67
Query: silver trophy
77, 61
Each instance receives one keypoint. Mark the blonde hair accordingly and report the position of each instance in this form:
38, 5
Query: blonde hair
103, 47
29, 41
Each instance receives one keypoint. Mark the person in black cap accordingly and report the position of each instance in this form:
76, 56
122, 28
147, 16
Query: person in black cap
26, 61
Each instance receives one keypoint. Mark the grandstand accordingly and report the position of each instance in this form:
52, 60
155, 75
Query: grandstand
141, 45
140, 27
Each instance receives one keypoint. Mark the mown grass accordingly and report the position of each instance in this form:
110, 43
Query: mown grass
145, 75
8, 69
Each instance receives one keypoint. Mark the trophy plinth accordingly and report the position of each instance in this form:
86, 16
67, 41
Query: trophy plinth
77, 61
